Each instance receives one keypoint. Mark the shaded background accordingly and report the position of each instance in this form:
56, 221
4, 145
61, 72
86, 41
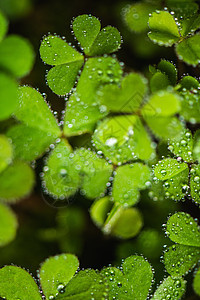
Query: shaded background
45, 230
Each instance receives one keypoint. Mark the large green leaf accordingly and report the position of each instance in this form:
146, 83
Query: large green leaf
3, 26
182, 229
61, 176
123, 138
164, 30
126, 99
8, 225
34, 112
93, 41
29, 143
128, 180
188, 50
56, 272
16, 181
168, 168
83, 111
170, 288
8, 96
196, 282
85, 285
16, 283
195, 182
180, 259
67, 61
16, 55
6, 152
95, 172
182, 146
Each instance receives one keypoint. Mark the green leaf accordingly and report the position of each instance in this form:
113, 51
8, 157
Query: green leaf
169, 168
196, 148
83, 111
182, 229
136, 16
84, 285
99, 210
183, 9
13, 179
182, 146
16, 55
123, 138
159, 81
29, 143
162, 104
3, 26
190, 25
95, 172
128, 180
188, 50
124, 99
34, 111
56, 272
195, 182
180, 259
171, 288
93, 41
128, 224
8, 225
139, 275
189, 82
8, 94
164, 30
196, 282
6, 152
55, 51
168, 69
190, 106
61, 176
16, 283
67, 61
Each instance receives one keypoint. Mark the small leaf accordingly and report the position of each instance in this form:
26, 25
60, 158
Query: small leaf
189, 83
84, 285
180, 259
188, 50
29, 143
136, 16
196, 283
190, 25
182, 146
16, 55
61, 176
126, 99
8, 225
99, 210
129, 179
169, 69
95, 172
190, 106
56, 272
96, 72
164, 30
182, 229
168, 168
55, 51
16, 283
6, 152
195, 182
196, 148
171, 288
8, 94
34, 111
3, 26
159, 81
13, 179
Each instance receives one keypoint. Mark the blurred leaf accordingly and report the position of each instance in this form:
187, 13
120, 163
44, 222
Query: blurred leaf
169, 69
56, 272
99, 210
182, 146
8, 95
16, 182
180, 259
159, 81
16, 55
8, 225
173, 288
189, 82
16, 282
6, 152
190, 106
195, 182
3, 26
164, 30
196, 282
188, 50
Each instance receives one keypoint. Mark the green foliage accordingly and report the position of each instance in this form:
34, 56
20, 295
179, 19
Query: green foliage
3, 26
196, 283
8, 225
170, 288
6, 152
